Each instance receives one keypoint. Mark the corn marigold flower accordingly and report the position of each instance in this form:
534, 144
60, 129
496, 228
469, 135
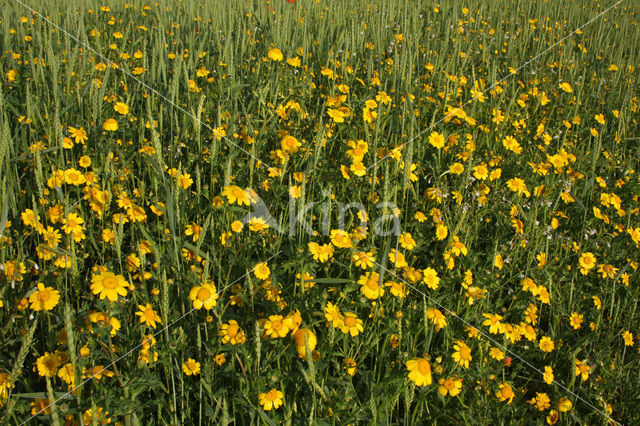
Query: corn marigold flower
44, 298
99, 415
303, 338
121, 108
505, 393
275, 54
370, 285
586, 262
205, 295
235, 194
109, 285
231, 333
547, 376
566, 87
110, 125
450, 385
419, 371
271, 400
262, 271
48, 364
148, 316
351, 324
541, 401
563, 405
78, 134
546, 344
462, 354
437, 140
430, 278
406, 241
277, 326
437, 318
582, 369
363, 259
333, 315
340, 239
319, 252
184, 180
72, 223
576, 320
191, 367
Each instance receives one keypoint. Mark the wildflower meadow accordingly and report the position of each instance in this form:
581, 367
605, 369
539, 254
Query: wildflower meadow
319, 212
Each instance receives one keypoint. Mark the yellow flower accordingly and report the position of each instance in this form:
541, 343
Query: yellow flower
370, 287
351, 324
79, 134
44, 299
564, 405
541, 401
277, 326
262, 271
85, 161
100, 416
231, 333
450, 385
566, 87
67, 374
148, 315
294, 62
505, 392
110, 125
321, 252
48, 364
290, 144
582, 369
341, 239
363, 259
548, 375
191, 367
235, 194
419, 371
586, 262
275, 54
204, 295
576, 320
437, 140
302, 338
546, 344
5, 385
333, 315
121, 108
184, 180
109, 285
430, 278
462, 354
72, 224
481, 172
271, 399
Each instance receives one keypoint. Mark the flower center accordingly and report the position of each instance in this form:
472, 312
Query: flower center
110, 283
349, 321
372, 285
203, 294
43, 296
